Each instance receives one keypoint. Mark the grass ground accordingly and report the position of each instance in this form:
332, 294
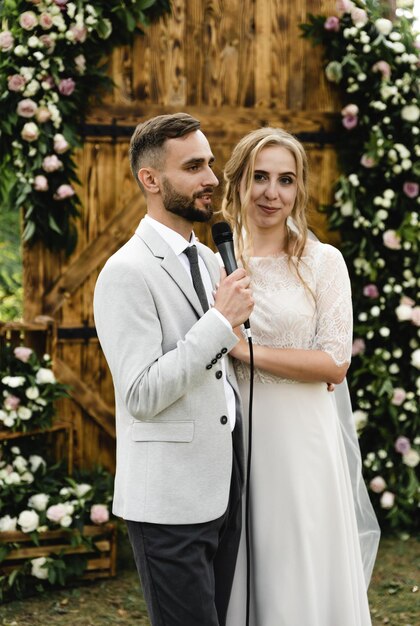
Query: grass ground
394, 596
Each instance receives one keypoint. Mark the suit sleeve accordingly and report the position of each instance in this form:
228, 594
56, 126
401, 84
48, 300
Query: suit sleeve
147, 380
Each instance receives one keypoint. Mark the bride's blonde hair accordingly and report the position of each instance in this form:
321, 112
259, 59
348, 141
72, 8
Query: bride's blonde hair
241, 166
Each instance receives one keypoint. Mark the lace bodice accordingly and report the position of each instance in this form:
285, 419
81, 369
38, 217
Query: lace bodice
287, 315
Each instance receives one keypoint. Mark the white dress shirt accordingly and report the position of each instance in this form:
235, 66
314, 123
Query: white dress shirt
178, 245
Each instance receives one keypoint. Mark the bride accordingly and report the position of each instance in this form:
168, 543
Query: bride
314, 535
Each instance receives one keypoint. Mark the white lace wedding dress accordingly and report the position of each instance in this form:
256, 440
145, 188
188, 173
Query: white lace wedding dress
306, 558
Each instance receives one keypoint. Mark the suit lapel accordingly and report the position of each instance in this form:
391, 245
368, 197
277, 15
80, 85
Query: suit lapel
169, 262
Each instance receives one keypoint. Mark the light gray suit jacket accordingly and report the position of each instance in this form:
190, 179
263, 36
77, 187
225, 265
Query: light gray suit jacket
174, 444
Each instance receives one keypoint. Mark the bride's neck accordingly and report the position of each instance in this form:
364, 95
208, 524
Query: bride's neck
267, 243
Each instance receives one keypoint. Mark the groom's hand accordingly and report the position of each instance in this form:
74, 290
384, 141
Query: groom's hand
233, 297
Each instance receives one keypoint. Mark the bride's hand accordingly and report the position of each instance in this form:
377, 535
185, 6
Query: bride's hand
240, 351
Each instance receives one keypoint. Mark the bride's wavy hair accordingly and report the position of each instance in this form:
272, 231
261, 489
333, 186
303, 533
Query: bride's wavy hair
240, 168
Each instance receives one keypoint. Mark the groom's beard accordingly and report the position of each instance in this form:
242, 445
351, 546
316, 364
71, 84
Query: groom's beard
185, 206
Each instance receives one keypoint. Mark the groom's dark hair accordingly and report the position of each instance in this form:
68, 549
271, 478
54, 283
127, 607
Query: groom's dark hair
147, 145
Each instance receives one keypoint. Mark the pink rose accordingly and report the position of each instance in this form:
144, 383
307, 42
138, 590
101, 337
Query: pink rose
6, 40
42, 115
66, 86
63, 192
26, 108
60, 144
377, 484
56, 512
408, 301
48, 43
22, 353
61, 3
358, 347
398, 396
387, 500
332, 23
99, 513
415, 316
40, 183
11, 403
28, 20
350, 109
392, 240
80, 63
384, 68
30, 132
368, 161
350, 121
411, 189
402, 445
359, 17
47, 83
16, 82
370, 291
51, 163
45, 21
79, 33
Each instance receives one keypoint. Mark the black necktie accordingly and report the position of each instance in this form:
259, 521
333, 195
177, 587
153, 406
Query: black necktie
192, 255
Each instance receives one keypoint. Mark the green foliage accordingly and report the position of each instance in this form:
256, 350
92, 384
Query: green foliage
11, 293
51, 66
375, 64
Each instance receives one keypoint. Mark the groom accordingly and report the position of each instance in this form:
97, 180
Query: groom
166, 328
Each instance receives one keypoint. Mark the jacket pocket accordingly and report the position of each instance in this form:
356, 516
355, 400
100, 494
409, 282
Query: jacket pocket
162, 431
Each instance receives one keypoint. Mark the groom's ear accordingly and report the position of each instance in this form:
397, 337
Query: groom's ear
149, 179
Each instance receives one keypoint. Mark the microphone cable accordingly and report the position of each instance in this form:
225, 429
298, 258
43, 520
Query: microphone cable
248, 478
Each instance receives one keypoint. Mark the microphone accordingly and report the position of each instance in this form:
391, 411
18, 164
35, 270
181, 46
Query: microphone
223, 239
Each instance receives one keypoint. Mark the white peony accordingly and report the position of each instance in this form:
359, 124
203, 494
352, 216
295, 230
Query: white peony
32, 393
24, 413
28, 521
7, 523
38, 501
38, 568
415, 359
383, 26
44, 376
410, 113
412, 458
387, 500
13, 381
66, 521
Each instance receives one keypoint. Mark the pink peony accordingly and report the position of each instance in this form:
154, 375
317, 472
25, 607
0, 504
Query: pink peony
30, 132
51, 163
45, 21
387, 500
28, 20
384, 68
22, 353
63, 192
402, 445
344, 6
370, 291
398, 396
367, 161
26, 108
332, 23
40, 183
16, 82
408, 301
61, 145
66, 86
6, 40
359, 16
350, 121
392, 240
42, 115
11, 403
411, 189
99, 513
79, 33
56, 512
377, 484
415, 316
358, 347
48, 43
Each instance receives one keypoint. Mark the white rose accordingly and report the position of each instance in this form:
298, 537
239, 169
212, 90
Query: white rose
7, 523
24, 413
20, 463
404, 312
12, 479
346, 209
410, 113
360, 419
39, 501
27, 477
387, 500
38, 568
36, 461
28, 521
411, 459
15, 450
66, 521
82, 489
415, 358
32, 393
44, 376
383, 26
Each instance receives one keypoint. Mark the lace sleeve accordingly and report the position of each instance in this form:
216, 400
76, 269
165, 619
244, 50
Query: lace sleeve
334, 326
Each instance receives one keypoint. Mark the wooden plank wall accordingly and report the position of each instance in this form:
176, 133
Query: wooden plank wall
234, 64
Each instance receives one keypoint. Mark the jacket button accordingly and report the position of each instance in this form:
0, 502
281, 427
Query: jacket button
214, 361
219, 355
219, 374
209, 366
223, 350
223, 419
